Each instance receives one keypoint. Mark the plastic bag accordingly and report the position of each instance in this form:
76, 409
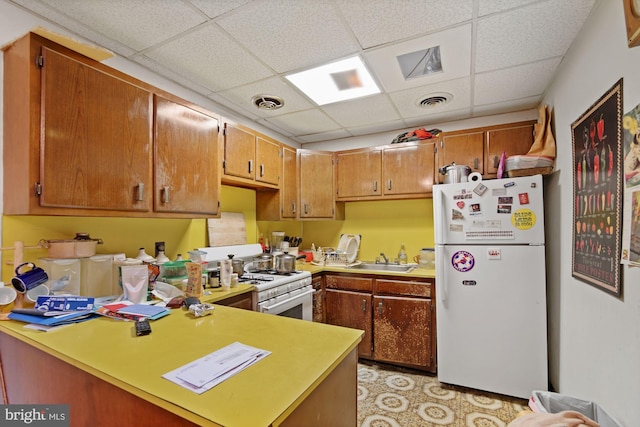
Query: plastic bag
549, 402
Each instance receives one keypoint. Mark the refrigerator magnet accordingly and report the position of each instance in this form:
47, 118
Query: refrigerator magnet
504, 209
480, 189
523, 219
456, 214
494, 253
524, 198
462, 261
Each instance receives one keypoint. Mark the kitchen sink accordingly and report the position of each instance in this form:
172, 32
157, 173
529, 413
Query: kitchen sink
396, 268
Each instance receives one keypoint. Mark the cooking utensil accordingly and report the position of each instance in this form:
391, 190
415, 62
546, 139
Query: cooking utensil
262, 262
237, 265
81, 246
455, 173
286, 263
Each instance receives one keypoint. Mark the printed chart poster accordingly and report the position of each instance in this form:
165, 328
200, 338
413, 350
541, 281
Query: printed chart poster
631, 223
597, 193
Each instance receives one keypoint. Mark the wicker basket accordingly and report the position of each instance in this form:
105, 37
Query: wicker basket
529, 172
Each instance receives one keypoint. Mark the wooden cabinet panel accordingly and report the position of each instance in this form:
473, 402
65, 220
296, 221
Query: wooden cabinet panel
462, 149
187, 175
516, 139
316, 184
239, 152
352, 310
242, 301
96, 138
268, 161
358, 173
283, 204
403, 288
352, 283
408, 169
402, 330
318, 299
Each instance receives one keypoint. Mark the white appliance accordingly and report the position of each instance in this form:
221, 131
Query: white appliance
289, 294
490, 285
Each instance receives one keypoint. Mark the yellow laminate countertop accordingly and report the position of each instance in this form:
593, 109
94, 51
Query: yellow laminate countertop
315, 269
303, 355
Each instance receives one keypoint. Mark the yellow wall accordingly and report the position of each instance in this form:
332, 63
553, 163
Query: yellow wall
383, 225
123, 234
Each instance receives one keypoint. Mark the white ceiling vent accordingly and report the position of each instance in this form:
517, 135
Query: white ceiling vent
267, 102
433, 100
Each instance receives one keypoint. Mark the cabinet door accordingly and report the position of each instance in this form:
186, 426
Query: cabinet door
358, 174
268, 161
186, 160
402, 330
512, 140
289, 185
96, 138
316, 184
408, 169
463, 149
239, 152
352, 310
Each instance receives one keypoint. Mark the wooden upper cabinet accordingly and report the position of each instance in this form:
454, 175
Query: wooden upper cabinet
187, 175
251, 159
316, 184
512, 139
273, 205
462, 149
391, 172
359, 173
77, 138
408, 169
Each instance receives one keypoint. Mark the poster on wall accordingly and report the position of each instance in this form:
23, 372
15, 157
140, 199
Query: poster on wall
631, 223
597, 193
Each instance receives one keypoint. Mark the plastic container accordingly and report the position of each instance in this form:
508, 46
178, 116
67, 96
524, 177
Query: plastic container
553, 403
96, 277
427, 258
64, 275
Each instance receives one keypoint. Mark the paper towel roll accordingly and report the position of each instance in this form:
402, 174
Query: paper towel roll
475, 177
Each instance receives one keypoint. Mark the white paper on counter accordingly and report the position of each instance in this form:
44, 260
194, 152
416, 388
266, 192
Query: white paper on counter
208, 371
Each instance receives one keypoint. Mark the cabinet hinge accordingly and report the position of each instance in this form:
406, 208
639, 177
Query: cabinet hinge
38, 189
224, 131
39, 61
218, 204
224, 164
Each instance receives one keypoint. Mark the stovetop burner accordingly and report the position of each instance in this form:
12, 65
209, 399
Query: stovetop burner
274, 272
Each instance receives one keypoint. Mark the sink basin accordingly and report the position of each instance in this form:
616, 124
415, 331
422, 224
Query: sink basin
383, 267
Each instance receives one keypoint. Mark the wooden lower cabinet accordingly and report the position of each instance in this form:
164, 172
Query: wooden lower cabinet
243, 301
317, 281
397, 316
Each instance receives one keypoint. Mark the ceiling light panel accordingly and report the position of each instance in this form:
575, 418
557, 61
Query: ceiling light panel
337, 81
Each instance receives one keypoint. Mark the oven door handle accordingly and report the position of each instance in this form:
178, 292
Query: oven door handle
271, 307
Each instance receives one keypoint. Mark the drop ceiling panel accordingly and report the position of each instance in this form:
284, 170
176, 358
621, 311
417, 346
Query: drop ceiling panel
326, 136
380, 127
361, 111
242, 96
538, 31
455, 52
406, 101
305, 122
216, 8
217, 64
376, 22
289, 35
487, 7
133, 23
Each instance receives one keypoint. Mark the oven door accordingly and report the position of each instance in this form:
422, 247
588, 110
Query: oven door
297, 304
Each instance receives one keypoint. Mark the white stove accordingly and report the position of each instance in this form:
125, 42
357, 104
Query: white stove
289, 294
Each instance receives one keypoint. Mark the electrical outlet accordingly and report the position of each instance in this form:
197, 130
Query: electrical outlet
159, 247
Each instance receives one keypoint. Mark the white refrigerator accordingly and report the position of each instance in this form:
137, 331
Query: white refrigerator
490, 285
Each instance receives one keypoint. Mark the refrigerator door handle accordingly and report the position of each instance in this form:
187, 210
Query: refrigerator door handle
441, 280
439, 204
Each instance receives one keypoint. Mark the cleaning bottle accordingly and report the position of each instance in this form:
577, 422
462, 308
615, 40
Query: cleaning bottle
402, 255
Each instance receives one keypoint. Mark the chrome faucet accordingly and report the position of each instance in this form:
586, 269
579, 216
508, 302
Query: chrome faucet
386, 260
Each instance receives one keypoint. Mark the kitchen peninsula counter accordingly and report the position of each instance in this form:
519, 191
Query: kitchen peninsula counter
109, 376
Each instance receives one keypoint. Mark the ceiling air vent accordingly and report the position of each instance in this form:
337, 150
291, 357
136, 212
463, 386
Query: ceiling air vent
267, 102
433, 100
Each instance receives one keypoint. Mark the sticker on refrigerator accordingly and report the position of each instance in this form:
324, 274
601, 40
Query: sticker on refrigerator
462, 261
475, 209
494, 253
523, 219
505, 200
504, 209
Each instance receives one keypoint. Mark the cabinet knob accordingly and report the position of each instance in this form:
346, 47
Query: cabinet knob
140, 192
496, 161
165, 194
261, 170
250, 166
388, 184
364, 305
306, 208
375, 185
293, 207
476, 163
380, 308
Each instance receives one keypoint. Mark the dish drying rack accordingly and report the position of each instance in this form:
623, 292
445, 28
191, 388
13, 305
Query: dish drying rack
331, 258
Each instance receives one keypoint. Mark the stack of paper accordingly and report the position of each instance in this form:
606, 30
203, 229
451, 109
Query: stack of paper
126, 310
208, 371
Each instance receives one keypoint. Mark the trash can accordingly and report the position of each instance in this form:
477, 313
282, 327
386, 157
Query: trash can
553, 403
